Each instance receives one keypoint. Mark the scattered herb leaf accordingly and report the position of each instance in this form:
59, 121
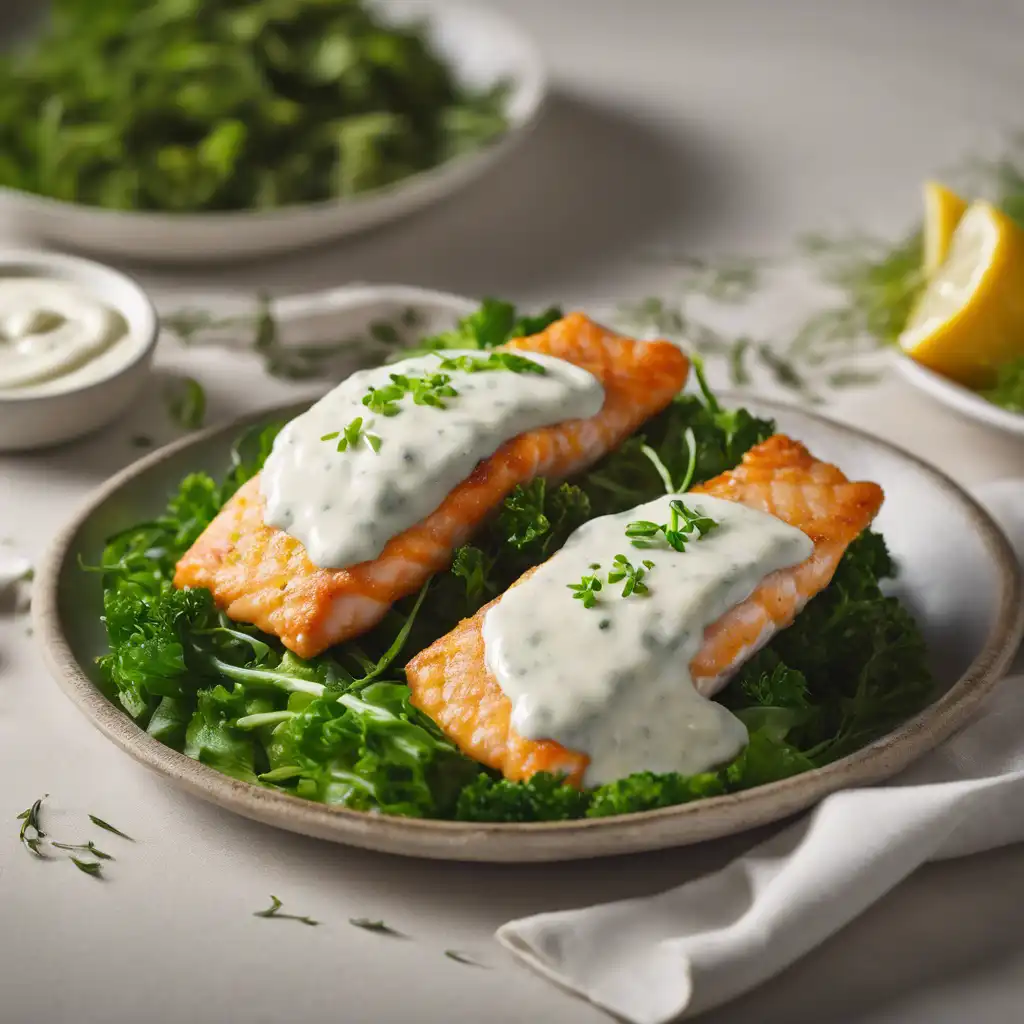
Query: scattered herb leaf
88, 867
186, 403
461, 958
379, 927
274, 910
29, 819
89, 847
100, 823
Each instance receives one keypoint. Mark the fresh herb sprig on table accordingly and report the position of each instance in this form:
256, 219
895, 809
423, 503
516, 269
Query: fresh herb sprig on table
221, 105
340, 728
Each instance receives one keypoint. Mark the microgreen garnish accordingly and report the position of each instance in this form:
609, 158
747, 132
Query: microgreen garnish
461, 958
431, 389
587, 588
379, 927
29, 819
633, 575
88, 867
385, 400
681, 525
89, 847
492, 361
274, 911
352, 435
100, 823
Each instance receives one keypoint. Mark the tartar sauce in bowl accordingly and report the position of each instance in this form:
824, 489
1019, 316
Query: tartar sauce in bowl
56, 330
76, 344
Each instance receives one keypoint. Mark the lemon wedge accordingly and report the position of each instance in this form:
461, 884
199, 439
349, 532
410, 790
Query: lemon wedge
943, 209
970, 317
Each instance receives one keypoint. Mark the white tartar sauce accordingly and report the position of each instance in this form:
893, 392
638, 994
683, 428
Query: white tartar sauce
612, 681
51, 330
344, 506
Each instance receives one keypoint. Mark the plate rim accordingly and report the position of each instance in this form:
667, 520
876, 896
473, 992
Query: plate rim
774, 801
960, 399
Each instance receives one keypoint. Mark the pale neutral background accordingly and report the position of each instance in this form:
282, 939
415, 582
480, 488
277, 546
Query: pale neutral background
719, 126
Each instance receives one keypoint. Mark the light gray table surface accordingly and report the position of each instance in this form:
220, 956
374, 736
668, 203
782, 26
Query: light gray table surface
715, 126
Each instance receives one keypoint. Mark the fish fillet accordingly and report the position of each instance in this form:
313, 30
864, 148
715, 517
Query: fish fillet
450, 682
260, 574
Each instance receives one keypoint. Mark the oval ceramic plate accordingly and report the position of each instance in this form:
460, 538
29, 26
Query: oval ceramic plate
956, 396
481, 45
957, 573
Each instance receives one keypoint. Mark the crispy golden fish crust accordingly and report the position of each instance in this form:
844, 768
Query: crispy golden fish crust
450, 681
261, 575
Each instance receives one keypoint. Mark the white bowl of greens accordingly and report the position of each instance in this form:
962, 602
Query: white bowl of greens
246, 130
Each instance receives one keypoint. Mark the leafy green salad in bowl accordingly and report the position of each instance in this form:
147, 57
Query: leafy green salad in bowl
344, 729
178, 128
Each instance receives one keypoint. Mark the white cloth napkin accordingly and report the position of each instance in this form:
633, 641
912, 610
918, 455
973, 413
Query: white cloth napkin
687, 950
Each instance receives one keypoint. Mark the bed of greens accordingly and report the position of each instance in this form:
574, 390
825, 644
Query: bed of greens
194, 105
340, 729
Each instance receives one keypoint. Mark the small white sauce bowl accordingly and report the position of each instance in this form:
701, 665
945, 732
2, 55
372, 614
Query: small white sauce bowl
51, 413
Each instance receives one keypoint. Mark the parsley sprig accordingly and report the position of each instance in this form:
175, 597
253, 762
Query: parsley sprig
682, 524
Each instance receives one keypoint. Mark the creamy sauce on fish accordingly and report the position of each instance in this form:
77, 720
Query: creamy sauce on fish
612, 681
53, 330
344, 506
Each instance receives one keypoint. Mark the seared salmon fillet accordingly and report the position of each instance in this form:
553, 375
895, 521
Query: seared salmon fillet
260, 574
450, 681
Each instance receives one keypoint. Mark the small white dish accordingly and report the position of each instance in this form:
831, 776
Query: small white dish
481, 45
60, 410
956, 396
